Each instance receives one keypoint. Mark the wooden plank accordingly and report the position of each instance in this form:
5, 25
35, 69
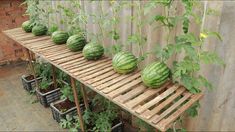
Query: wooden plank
104, 80
97, 74
172, 108
149, 114
96, 71
72, 61
70, 58
76, 64
163, 125
131, 94
36, 40
92, 68
55, 47
110, 81
120, 83
55, 53
94, 63
157, 99
144, 96
103, 76
124, 88
62, 56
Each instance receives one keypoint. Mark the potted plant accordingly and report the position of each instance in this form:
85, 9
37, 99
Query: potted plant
47, 92
66, 106
103, 117
29, 82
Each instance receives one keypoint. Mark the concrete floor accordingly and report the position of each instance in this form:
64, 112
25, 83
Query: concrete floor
17, 113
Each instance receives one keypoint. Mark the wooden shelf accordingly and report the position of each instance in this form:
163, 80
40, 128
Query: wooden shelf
157, 107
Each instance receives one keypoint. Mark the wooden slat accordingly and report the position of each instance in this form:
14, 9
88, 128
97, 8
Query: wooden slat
92, 64
100, 77
96, 71
170, 109
124, 88
113, 81
163, 125
91, 68
131, 94
120, 83
157, 99
144, 96
36, 40
107, 79
149, 114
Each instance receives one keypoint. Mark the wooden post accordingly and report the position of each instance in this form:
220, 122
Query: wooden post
31, 67
54, 76
84, 95
73, 84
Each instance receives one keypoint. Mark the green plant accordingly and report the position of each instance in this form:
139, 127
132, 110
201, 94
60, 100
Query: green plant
66, 123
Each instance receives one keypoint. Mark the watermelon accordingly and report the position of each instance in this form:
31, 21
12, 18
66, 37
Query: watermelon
27, 26
124, 62
59, 37
39, 30
93, 51
76, 42
155, 74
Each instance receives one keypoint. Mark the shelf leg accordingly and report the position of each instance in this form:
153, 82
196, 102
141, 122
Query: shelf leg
73, 84
31, 66
84, 95
54, 76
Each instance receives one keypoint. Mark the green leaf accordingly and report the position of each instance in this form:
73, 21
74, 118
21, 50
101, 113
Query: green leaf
210, 58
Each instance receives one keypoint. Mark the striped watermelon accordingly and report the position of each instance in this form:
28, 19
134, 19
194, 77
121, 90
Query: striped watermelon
27, 26
39, 30
93, 51
76, 42
124, 62
155, 74
59, 37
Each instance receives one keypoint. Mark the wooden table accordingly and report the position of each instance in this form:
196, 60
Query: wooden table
127, 91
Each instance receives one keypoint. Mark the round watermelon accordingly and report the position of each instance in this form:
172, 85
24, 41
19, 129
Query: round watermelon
27, 26
59, 37
93, 51
76, 42
39, 30
124, 62
155, 74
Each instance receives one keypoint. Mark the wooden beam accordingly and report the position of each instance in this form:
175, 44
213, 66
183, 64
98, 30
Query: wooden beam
73, 84
31, 67
54, 76
84, 95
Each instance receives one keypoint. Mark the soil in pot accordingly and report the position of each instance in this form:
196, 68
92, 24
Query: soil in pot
30, 77
50, 88
65, 105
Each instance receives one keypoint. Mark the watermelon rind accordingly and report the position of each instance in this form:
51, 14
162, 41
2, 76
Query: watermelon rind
155, 75
39, 30
76, 42
59, 37
93, 51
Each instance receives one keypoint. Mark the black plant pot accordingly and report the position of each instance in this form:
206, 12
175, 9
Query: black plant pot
118, 126
48, 97
58, 115
29, 84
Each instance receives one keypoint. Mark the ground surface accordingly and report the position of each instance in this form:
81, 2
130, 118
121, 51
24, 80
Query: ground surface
17, 113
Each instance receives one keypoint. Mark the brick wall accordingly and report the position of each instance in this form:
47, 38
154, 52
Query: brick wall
11, 16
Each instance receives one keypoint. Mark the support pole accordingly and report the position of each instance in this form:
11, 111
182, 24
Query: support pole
73, 84
31, 67
54, 76
84, 95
